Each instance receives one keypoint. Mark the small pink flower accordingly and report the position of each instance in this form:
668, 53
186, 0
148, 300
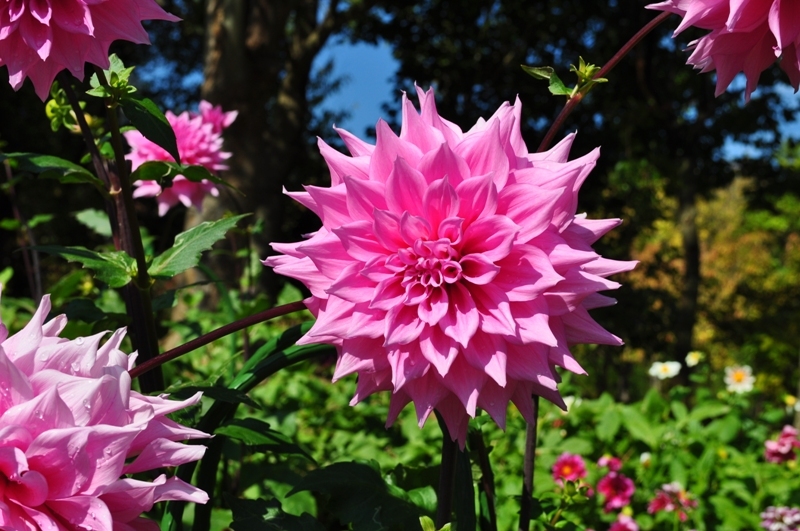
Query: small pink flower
199, 137
624, 523
451, 267
40, 38
746, 36
72, 430
672, 497
569, 467
614, 464
617, 490
782, 450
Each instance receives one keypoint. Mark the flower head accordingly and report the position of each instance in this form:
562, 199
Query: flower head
624, 523
693, 358
664, 370
782, 450
617, 490
614, 464
569, 467
199, 137
71, 430
40, 38
739, 379
450, 267
672, 498
746, 36
781, 519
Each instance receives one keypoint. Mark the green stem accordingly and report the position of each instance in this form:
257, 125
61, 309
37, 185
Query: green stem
574, 101
447, 470
527, 472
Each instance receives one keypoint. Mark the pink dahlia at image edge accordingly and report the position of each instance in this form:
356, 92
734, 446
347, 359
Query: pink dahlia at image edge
71, 428
38, 39
451, 267
199, 138
746, 36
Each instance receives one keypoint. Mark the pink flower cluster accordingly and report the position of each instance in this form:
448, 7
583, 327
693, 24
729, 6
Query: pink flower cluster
71, 429
451, 267
624, 523
781, 519
199, 137
746, 36
782, 450
40, 38
672, 498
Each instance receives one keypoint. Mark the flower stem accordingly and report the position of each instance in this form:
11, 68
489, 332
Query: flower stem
223, 331
527, 472
576, 99
447, 471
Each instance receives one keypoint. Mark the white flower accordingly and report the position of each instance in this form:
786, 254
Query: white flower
739, 379
645, 459
571, 401
664, 370
693, 358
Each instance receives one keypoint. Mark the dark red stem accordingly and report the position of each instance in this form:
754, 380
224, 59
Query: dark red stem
223, 331
575, 100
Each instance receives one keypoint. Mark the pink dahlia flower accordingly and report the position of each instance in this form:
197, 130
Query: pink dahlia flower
624, 523
199, 137
617, 489
72, 430
746, 36
614, 464
569, 467
782, 450
672, 498
451, 268
40, 38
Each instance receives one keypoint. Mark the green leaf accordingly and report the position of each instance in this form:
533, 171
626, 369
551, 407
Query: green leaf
608, 425
359, 496
220, 394
539, 72
49, 167
640, 428
115, 268
254, 432
151, 122
708, 411
96, 220
267, 515
165, 172
83, 310
558, 87
185, 254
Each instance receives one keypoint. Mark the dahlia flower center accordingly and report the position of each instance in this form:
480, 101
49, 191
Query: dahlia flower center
428, 265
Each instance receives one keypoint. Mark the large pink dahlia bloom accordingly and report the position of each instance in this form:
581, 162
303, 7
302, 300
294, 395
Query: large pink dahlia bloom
199, 137
40, 38
746, 36
72, 431
450, 267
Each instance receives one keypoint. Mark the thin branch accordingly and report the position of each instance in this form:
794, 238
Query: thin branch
573, 102
223, 331
447, 471
530, 461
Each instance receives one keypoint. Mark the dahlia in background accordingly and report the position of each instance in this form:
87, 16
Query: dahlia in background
672, 498
569, 467
624, 523
40, 38
781, 519
746, 36
199, 137
614, 464
72, 430
617, 489
782, 450
451, 268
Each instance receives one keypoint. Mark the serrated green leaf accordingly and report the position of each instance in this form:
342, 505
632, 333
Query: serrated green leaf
538, 72
254, 432
608, 425
558, 87
50, 167
151, 122
115, 268
189, 245
359, 496
96, 220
